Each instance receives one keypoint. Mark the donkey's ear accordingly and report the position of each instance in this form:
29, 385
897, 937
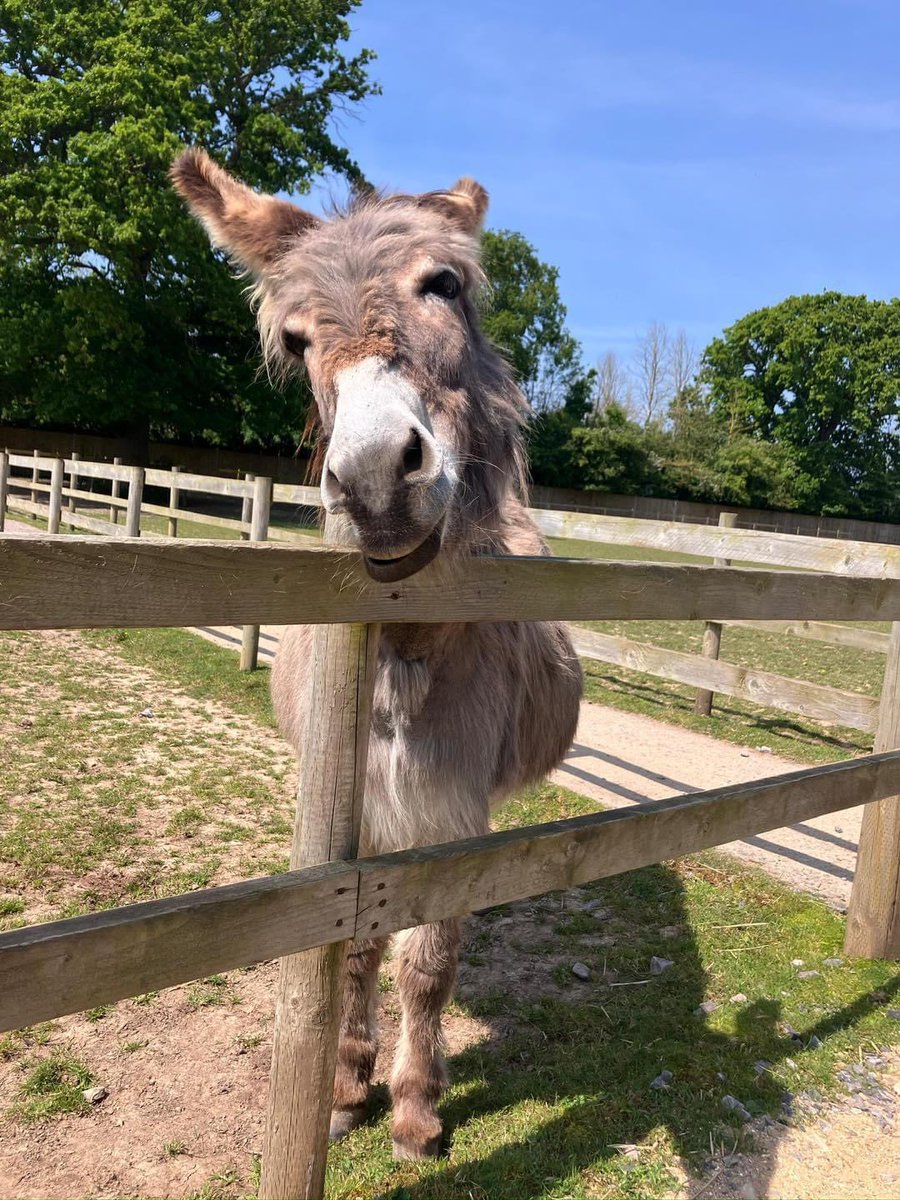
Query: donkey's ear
254, 229
465, 204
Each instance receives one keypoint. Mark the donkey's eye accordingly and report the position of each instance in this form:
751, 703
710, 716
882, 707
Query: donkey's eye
445, 284
294, 343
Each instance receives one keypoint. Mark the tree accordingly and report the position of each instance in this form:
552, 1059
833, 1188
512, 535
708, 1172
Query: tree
114, 312
820, 377
682, 365
525, 317
651, 371
613, 383
612, 454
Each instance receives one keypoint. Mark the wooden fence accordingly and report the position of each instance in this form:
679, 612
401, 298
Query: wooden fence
35, 485
656, 508
44, 479
329, 896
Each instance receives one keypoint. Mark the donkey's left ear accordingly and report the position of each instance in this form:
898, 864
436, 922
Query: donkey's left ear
255, 229
465, 204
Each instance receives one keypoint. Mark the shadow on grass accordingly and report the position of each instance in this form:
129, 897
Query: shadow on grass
564, 1083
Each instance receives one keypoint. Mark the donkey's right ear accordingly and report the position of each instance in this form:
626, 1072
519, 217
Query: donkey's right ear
253, 229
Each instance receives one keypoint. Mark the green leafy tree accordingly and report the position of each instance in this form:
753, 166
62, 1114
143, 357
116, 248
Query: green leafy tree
820, 377
114, 312
612, 453
526, 318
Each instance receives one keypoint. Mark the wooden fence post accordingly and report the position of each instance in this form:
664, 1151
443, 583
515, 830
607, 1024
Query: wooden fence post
308, 1008
135, 497
56, 485
247, 508
873, 918
4, 486
259, 529
115, 492
35, 475
73, 481
172, 528
712, 632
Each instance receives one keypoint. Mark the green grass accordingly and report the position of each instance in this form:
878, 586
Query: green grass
52, 1086
538, 1112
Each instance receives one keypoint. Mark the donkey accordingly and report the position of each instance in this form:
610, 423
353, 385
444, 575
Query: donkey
421, 422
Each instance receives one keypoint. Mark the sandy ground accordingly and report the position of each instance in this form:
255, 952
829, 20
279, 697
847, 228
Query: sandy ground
620, 759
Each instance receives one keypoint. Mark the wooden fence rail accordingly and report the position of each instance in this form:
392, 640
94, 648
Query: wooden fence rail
54, 582
67, 966
256, 496
742, 545
834, 706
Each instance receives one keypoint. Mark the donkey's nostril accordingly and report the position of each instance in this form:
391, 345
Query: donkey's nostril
334, 493
412, 456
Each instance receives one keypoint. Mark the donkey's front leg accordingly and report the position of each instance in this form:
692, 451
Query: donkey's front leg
427, 970
358, 1043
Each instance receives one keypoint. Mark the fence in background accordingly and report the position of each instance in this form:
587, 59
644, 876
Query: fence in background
655, 508
205, 460
50, 489
330, 897
44, 480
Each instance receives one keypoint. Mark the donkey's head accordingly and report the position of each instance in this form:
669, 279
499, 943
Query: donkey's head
420, 416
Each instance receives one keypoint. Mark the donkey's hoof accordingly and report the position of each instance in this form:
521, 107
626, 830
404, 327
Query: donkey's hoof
344, 1120
407, 1145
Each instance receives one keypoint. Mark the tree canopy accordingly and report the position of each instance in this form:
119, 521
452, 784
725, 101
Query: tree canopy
525, 316
818, 376
114, 312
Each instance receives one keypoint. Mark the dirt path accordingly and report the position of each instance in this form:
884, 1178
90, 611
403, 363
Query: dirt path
620, 759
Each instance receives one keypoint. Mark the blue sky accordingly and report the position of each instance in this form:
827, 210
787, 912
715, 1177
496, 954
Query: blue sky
682, 162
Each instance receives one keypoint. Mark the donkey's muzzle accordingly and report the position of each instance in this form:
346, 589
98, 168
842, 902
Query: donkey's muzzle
390, 570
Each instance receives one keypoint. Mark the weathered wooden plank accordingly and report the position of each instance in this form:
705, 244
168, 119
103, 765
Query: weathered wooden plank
873, 917
4, 487
136, 477
300, 536
832, 705
36, 461
289, 493
418, 886
852, 636
97, 470
98, 498
65, 966
17, 503
712, 630
326, 826
29, 485
70, 582
870, 559
214, 485
95, 524
261, 508
185, 514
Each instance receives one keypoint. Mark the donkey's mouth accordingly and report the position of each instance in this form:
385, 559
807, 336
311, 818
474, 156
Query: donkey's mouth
390, 570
